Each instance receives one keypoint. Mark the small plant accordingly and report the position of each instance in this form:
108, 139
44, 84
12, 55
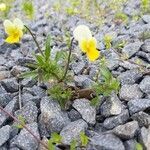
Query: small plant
84, 140
145, 5
121, 17
73, 145
61, 94
107, 41
55, 139
28, 8
106, 85
120, 45
21, 123
45, 68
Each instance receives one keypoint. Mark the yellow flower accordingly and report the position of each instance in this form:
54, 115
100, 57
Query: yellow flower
2, 7
87, 43
14, 30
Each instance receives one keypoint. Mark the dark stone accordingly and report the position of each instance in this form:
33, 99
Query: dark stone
137, 105
111, 122
72, 131
126, 131
106, 142
10, 85
130, 76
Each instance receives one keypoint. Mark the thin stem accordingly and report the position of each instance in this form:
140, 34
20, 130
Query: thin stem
37, 44
24, 126
20, 102
68, 61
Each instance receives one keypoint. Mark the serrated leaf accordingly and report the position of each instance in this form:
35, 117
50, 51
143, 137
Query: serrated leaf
73, 145
56, 138
47, 48
84, 139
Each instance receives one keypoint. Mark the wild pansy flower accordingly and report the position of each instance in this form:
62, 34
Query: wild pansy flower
14, 30
2, 6
87, 42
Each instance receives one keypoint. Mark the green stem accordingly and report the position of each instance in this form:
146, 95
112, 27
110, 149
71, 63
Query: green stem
37, 44
24, 126
68, 61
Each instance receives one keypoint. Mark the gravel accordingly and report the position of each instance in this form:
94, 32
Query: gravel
87, 111
120, 121
52, 115
127, 131
145, 85
4, 134
112, 106
72, 131
128, 92
137, 105
111, 122
106, 141
25, 140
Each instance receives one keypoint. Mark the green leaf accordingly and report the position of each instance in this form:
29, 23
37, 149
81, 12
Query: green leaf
115, 84
84, 139
39, 59
95, 101
47, 48
33, 74
32, 65
139, 146
51, 146
28, 8
56, 138
21, 122
73, 145
105, 73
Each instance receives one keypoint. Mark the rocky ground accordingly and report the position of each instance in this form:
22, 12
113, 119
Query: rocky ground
117, 124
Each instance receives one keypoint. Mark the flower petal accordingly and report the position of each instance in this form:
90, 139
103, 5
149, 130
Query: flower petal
92, 43
2, 7
93, 54
18, 23
12, 39
82, 32
87, 44
20, 34
83, 45
9, 27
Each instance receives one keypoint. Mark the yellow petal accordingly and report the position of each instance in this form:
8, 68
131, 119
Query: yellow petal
9, 27
20, 33
83, 45
82, 32
2, 7
12, 39
18, 23
93, 54
87, 44
92, 43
